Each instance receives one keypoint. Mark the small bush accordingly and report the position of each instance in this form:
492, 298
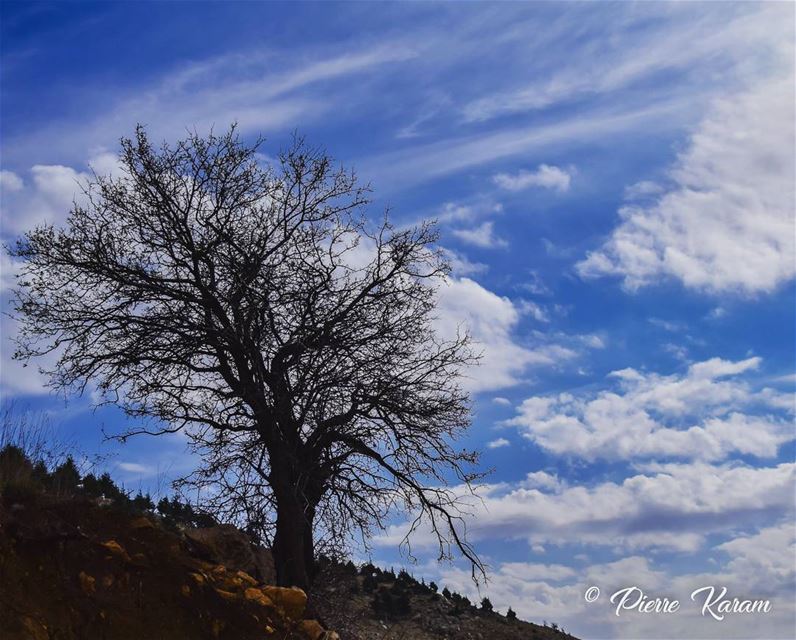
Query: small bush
65, 479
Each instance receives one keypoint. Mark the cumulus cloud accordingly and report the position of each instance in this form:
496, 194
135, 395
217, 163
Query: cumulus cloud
19, 379
727, 223
701, 414
497, 444
492, 321
535, 310
10, 181
642, 190
756, 565
673, 507
461, 265
545, 176
50, 193
481, 236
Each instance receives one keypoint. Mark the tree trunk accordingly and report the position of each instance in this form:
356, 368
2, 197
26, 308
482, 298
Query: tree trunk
293, 548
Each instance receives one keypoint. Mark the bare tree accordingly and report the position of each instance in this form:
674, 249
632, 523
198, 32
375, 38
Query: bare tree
257, 309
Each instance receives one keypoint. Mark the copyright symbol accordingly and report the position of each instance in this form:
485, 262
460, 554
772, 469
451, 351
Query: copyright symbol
592, 593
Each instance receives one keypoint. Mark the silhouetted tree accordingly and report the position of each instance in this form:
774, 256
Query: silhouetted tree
66, 477
511, 614
143, 502
486, 605
369, 583
104, 486
258, 310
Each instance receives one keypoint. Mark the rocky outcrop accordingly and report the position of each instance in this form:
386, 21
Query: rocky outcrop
117, 576
231, 547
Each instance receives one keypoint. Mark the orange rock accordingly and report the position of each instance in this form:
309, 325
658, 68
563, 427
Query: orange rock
87, 583
312, 630
35, 630
116, 549
256, 595
230, 583
185, 590
292, 600
198, 578
141, 523
245, 577
227, 595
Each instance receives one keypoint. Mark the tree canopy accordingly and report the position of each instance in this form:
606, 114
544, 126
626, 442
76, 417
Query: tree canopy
259, 309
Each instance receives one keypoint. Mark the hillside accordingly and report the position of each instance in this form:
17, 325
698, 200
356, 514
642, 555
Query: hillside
76, 568
409, 610
73, 570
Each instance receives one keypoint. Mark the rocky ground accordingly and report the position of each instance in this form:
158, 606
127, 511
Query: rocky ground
71, 569
345, 603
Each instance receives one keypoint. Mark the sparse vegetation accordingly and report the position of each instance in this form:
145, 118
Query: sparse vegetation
23, 480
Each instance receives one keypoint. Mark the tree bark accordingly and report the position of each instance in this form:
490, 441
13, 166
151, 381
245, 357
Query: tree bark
294, 550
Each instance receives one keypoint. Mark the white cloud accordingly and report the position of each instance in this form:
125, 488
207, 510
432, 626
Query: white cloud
501, 401
10, 181
542, 480
17, 378
664, 508
593, 341
643, 189
48, 197
545, 176
758, 565
452, 211
481, 236
697, 415
461, 265
497, 444
670, 507
261, 90
694, 45
535, 285
137, 468
666, 325
536, 311
8, 271
727, 224
492, 321
423, 163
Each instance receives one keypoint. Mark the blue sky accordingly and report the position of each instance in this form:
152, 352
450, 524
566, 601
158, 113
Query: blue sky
614, 184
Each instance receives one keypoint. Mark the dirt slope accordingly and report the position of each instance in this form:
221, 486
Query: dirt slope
71, 570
